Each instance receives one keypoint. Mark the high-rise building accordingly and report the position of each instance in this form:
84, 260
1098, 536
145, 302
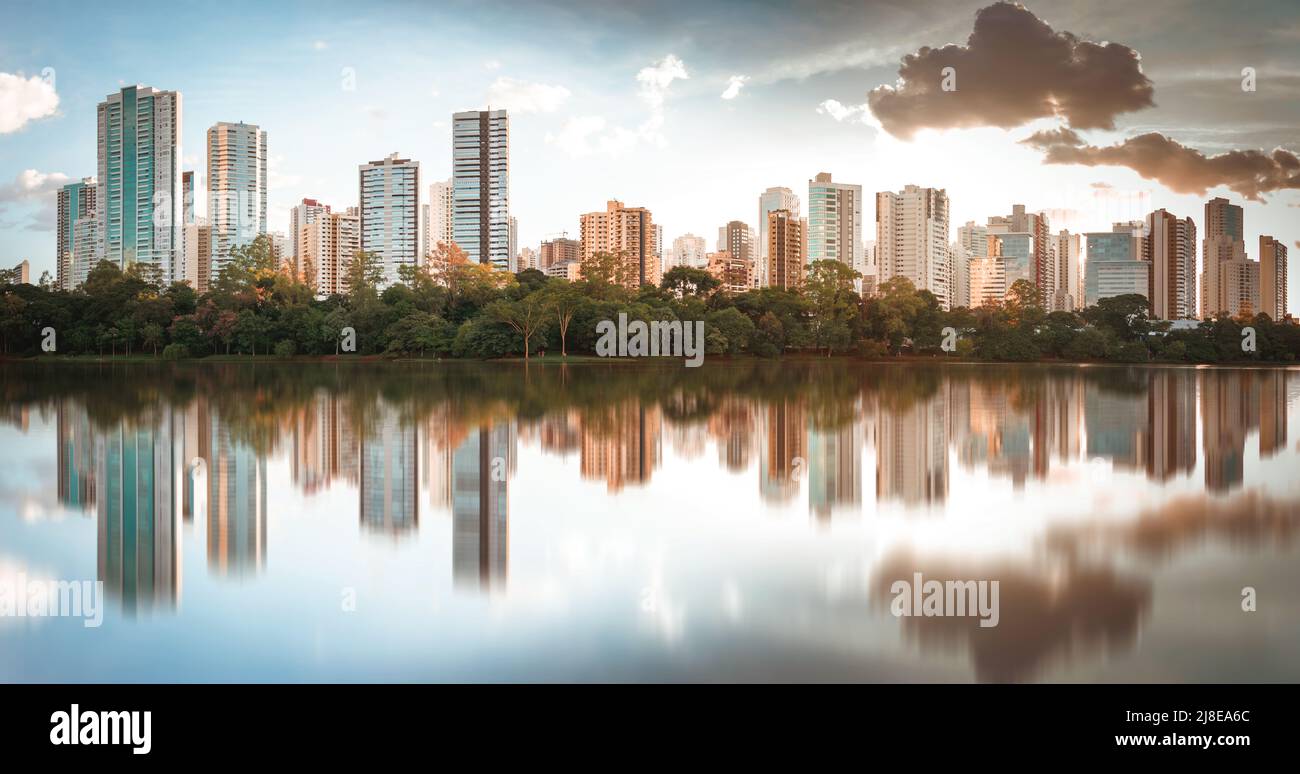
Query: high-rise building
187, 196
559, 250
627, 233
689, 251
437, 217
736, 274
785, 249
236, 187
1170, 248
1114, 265
196, 268
738, 239
912, 239
300, 215
1039, 269
988, 281
1272, 277
1229, 280
775, 198
972, 245
835, 222
76, 201
390, 213
138, 195
481, 185
514, 244
85, 247
1066, 296
327, 246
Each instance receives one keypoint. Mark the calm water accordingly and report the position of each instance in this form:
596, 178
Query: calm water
739, 521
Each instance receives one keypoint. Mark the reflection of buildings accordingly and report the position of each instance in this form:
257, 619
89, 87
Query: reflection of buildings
1117, 426
480, 507
236, 504
1228, 413
76, 457
1171, 416
912, 452
138, 556
389, 473
621, 445
324, 444
834, 469
1272, 412
732, 425
784, 457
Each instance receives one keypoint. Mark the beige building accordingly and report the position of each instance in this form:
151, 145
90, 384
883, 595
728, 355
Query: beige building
912, 240
988, 281
327, 246
627, 233
559, 250
1272, 277
1170, 248
785, 249
734, 272
197, 268
1227, 273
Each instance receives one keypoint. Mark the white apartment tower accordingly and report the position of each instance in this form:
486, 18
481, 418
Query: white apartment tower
236, 188
390, 213
912, 239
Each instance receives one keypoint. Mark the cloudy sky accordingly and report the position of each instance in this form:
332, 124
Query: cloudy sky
1093, 112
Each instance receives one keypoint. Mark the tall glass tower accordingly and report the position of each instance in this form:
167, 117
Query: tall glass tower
481, 185
138, 193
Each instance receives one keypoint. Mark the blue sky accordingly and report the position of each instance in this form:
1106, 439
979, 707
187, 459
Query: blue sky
627, 101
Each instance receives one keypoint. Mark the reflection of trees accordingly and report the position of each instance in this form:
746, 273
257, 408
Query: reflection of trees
1042, 618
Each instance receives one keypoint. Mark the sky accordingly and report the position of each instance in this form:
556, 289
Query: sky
1092, 112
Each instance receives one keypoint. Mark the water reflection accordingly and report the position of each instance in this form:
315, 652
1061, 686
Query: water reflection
1064, 483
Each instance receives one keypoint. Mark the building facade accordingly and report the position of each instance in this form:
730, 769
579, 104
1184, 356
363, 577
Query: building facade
785, 250
76, 201
236, 187
138, 197
481, 186
1170, 249
835, 222
1272, 277
390, 207
912, 239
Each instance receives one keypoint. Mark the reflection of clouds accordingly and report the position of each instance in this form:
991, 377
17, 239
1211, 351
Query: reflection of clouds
1045, 616
1249, 519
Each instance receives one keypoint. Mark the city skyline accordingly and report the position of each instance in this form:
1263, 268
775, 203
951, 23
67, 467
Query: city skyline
684, 131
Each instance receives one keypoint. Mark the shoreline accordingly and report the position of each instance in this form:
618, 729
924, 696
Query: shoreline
595, 359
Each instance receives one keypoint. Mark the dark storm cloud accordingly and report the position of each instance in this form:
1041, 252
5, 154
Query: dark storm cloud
1013, 69
1178, 167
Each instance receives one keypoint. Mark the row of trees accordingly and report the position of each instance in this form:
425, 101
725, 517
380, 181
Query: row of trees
463, 309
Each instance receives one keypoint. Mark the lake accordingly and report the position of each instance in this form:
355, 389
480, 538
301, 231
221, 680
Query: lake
745, 520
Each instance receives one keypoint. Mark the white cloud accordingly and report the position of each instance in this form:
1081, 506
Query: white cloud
32, 184
525, 97
588, 135
25, 99
841, 112
320, 45
656, 78
492, 64
734, 84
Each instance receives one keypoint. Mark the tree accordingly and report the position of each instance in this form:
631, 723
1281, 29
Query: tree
525, 316
562, 299
688, 281
834, 303
152, 335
